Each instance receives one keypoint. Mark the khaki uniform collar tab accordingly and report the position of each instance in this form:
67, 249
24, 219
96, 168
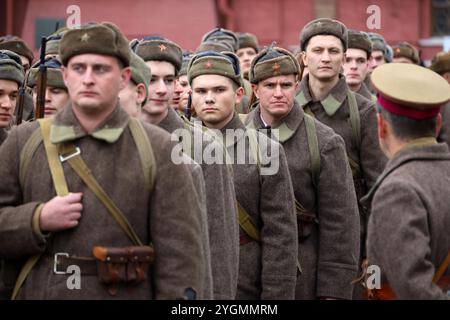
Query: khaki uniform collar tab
336, 97
67, 128
286, 129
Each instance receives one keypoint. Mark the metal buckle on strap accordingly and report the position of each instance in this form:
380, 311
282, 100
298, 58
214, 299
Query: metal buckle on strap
56, 262
71, 155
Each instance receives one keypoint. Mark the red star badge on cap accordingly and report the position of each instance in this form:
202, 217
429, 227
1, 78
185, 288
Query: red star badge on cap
208, 65
162, 47
276, 67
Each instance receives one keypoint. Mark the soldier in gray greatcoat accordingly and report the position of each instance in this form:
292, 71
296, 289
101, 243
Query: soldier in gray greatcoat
327, 213
408, 231
267, 259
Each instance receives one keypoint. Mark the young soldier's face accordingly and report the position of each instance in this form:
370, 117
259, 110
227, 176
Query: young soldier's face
161, 87
184, 96
214, 98
55, 99
324, 57
355, 66
8, 98
177, 92
246, 56
276, 95
376, 59
94, 81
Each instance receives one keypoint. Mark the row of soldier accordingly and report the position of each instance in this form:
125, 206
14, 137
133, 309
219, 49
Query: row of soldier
219, 231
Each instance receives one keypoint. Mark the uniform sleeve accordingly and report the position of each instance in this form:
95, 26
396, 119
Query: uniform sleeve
200, 193
17, 236
372, 158
279, 235
175, 228
338, 250
399, 242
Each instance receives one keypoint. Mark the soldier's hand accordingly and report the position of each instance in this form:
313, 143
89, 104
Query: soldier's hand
61, 213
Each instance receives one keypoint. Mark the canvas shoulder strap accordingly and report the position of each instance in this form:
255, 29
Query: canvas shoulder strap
313, 145
245, 222
355, 121
145, 151
138, 132
354, 118
59, 181
440, 272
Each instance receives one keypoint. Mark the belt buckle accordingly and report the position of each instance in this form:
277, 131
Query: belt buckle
55, 264
71, 155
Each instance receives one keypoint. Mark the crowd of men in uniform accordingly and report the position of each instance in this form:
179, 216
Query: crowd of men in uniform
358, 132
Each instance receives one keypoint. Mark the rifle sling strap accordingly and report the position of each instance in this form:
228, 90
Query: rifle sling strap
441, 270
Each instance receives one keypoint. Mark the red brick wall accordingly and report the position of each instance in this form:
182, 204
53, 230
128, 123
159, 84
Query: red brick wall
185, 21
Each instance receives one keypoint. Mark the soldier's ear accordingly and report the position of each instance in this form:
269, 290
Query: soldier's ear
382, 126
141, 94
303, 57
125, 76
239, 95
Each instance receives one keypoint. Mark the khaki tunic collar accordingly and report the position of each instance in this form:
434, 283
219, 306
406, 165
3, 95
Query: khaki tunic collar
331, 103
66, 126
287, 126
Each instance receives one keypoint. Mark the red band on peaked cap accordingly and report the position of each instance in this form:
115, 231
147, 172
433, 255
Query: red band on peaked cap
407, 111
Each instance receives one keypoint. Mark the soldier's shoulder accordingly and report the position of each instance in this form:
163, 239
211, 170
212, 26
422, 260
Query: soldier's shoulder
364, 105
158, 137
21, 133
326, 135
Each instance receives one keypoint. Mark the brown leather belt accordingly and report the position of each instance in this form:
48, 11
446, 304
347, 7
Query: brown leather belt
62, 261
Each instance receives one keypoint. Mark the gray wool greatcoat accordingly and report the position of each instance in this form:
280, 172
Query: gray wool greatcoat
328, 253
267, 269
408, 231
222, 215
163, 217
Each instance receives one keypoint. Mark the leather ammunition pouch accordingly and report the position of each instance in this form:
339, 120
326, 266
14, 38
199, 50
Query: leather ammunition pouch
125, 265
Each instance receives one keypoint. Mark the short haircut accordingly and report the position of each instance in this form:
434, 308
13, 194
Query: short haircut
406, 128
